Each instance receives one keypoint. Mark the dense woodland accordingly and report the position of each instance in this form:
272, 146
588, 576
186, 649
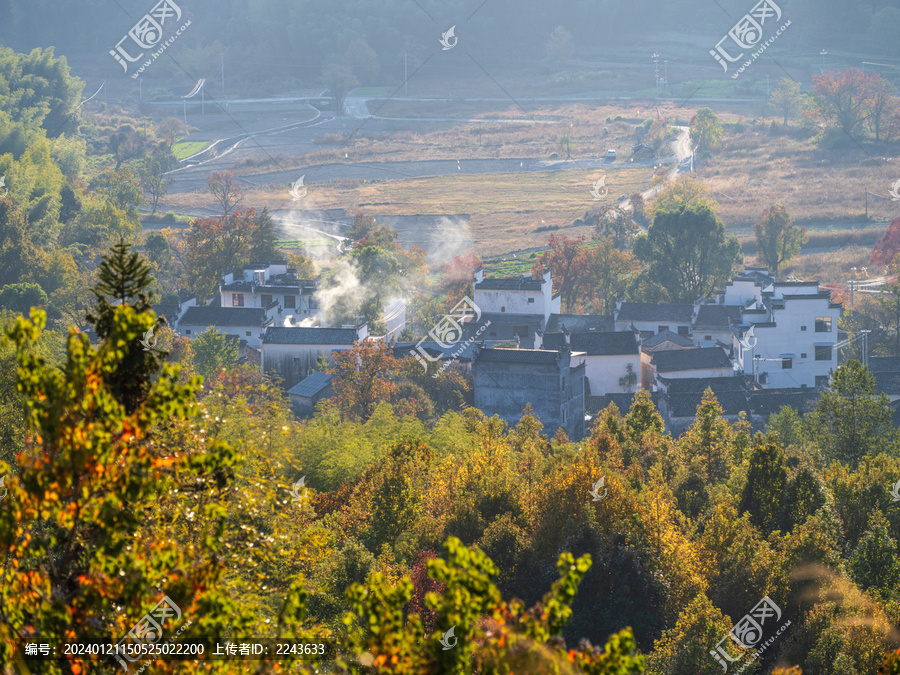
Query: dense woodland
132, 474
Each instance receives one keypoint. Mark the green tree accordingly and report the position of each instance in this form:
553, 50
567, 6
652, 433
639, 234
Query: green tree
564, 143
262, 238
340, 80
763, 493
777, 238
151, 172
873, 564
122, 188
214, 351
124, 278
21, 298
853, 420
685, 648
687, 251
559, 46
706, 132
787, 98
803, 497
709, 438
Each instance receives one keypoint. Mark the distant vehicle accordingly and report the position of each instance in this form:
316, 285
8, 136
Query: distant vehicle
610, 154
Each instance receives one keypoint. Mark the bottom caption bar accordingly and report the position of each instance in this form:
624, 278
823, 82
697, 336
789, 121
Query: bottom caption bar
240, 649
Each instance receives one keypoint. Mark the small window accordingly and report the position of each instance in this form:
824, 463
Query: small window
803, 386
662, 329
821, 380
802, 355
530, 301
290, 301
248, 333
266, 300
503, 309
237, 299
187, 332
823, 353
823, 324
787, 364
708, 338
493, 334
683, 331
802, 328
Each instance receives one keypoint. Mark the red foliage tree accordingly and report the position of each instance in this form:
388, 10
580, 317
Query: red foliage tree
888, 247
457, 276
422, 585
568, 264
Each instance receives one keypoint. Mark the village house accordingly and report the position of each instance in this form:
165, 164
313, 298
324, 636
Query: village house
690, 363
612, 360
291, 353
650, 319
260, 284
305, 395
552, 381
245, 323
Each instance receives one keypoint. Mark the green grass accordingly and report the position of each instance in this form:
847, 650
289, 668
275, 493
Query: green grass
188, 148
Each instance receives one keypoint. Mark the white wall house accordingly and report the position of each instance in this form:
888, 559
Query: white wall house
260, 284
794, 331
650, 319
607, 358
690, 363
526, 295
291, 353
244, 323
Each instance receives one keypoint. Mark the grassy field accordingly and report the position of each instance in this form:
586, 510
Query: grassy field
188, 148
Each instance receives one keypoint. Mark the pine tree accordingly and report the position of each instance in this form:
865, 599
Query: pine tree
763, 493
124, 280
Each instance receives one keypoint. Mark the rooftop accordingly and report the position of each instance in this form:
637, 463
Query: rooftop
769, 401
645, 311
535, 356
277, 335
593, 405
717, 316
690, 359
696, 385
523, 283
580, 323
667, 336
312, 385
224, 316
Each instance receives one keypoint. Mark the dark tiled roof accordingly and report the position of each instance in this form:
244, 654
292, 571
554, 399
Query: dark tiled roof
888, 383
310, 336
718, 316
690, 359
510, 284
770, 401
642, 311
695, 385
685, 404
312, 385
605, 344
403, 349
667, 336
580, 323
506, 317
595, 344
224, 316
881, 364
537, 356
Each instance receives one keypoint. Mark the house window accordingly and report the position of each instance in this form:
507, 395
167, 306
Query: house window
662, 329
821, 380
187, 332
802, 355
823, 353
266, 300
313, 304
248, 333
787, 364
503, 309
802, 328
237, 299
530, 301
708, 338
290, 301
493, 333
683, 331
823, 324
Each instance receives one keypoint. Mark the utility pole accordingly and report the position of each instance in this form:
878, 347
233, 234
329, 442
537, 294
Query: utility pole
405, 74
223, 75
656, 69
867, 202
666, 66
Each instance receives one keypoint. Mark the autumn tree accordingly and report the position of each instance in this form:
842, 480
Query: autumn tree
888, 246
364, 376
687, 251
567, 263
226, 190
842, 98
777, 238
457, 276
708, 439
152, 173
881, 103
609, 271
706, 132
